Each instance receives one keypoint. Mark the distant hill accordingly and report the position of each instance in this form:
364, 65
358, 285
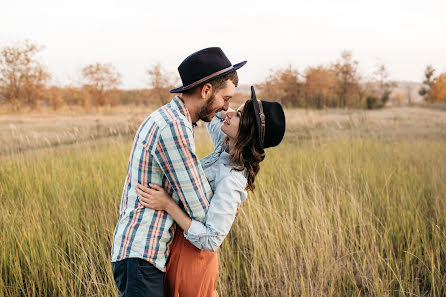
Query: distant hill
408, 88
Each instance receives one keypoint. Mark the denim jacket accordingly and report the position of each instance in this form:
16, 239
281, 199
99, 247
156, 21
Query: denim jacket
229, 193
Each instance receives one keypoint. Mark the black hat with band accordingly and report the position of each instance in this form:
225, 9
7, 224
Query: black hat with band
270, 121
204, 66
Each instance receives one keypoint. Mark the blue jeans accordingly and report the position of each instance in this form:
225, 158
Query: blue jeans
137, 277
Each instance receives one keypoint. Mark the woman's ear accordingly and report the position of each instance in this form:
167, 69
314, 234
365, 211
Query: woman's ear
206, 91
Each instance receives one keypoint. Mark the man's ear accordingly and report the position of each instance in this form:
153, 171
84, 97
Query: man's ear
206, 91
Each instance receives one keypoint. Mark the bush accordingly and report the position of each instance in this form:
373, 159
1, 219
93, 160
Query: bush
373, 102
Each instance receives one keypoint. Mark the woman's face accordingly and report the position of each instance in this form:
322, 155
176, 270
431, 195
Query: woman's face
231, 124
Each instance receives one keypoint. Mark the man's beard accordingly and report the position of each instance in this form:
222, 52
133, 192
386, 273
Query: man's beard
206, 113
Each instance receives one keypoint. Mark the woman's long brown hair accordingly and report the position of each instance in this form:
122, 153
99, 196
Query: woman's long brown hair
245, 153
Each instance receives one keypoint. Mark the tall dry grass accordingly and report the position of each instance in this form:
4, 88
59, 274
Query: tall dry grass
342, 218
331, 216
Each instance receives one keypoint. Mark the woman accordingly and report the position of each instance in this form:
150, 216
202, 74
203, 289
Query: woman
239, 139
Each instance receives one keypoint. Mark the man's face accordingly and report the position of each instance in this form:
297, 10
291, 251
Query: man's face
217, 102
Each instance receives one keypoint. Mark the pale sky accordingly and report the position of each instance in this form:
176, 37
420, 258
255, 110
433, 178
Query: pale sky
133, 35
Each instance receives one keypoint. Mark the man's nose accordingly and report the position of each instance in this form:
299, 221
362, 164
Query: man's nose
225, 107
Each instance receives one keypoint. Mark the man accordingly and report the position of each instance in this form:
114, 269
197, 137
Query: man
163, 153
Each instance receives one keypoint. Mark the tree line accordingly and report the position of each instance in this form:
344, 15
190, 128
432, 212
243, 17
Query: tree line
24, 81
340, 84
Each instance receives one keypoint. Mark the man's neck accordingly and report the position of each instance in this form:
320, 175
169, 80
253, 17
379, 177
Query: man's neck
192, 106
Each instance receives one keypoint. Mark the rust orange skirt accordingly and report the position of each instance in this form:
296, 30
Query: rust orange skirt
190, 272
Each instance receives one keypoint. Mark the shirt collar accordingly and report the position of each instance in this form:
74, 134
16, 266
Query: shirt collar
177, 103
225, 158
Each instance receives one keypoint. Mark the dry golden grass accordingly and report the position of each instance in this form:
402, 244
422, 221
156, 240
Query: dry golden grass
389, 123
27, 131
351, 204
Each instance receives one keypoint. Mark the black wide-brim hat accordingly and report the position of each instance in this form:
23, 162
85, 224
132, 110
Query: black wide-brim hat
271, 116
204, 66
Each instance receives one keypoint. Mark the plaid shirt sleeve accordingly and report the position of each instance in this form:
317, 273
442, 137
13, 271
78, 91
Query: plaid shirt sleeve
175, 153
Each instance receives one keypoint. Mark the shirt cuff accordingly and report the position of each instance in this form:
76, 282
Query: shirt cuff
194, 231
197, 230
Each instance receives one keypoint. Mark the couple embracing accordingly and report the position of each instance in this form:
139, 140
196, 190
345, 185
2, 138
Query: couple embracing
175, 209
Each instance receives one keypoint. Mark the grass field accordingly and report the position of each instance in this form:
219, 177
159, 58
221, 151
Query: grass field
352, 203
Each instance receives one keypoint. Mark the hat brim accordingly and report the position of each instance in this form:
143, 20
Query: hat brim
235, 67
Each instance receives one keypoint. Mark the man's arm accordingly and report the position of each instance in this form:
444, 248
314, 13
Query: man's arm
175, 153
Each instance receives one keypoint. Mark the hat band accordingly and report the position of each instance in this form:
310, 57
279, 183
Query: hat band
262, 122
207, 77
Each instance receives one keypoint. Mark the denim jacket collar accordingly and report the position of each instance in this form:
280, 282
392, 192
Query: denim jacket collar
225, 158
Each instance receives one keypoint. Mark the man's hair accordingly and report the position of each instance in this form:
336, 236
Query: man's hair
218, 83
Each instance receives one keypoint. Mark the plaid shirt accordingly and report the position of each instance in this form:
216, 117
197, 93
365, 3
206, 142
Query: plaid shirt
163, 153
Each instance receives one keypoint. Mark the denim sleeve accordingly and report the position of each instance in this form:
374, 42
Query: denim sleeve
214, 131
228, 196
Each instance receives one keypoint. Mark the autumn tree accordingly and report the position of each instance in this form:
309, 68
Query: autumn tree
22, 77
319, 87
100, 80
160, 83
283, 85
54, 97
437, 91
348, 87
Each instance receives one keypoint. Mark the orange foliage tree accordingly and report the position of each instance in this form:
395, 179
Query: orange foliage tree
283, 85
101, 81
22, 78
160, 82
348, 87
337, 85
320, 87
437, 91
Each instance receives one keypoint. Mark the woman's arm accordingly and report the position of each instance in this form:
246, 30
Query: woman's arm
229, 194
213, 127
157, 198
